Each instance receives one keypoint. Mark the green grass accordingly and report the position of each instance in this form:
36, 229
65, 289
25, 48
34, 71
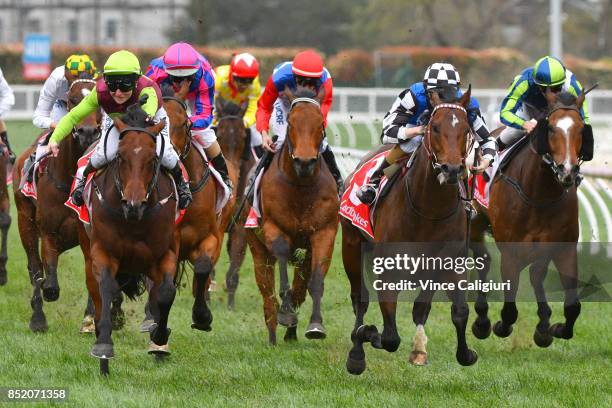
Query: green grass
234, 366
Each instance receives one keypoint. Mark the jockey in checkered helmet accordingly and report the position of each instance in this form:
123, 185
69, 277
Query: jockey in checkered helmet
405, 122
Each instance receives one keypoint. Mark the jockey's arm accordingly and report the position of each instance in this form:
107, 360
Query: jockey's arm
255, 93
488, 144
7, 97
88, 105
576, 89
204, 102
396, 126
327, 99
265, 106
46, 100
510, 104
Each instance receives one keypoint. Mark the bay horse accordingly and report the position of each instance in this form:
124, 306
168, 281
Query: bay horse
132, 233
200, 234
423, 206
47, 218
235, 144
300, 207
5, 208
533, 199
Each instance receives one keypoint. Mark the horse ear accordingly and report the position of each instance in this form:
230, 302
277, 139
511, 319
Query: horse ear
155, 129
119, 124
551, 97
320, 95
289, 94
582, 96
466, 98
435, 99
182, 93
540, 132
219, 107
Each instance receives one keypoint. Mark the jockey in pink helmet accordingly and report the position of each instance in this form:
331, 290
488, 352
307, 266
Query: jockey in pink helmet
183, 68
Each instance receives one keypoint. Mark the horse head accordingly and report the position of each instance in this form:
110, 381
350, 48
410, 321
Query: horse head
230, 128
138, 164
448, 135
88, 130
180, 126
562, 138
305, 129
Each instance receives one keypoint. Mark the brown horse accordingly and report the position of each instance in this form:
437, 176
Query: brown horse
5, 207
47, 218
533, 200
234, 142
423, 207
299, 210
132, 233
201, 236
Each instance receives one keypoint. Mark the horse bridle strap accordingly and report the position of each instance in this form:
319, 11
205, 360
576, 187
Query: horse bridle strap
307, 100
293, 103
81, 81
430, 153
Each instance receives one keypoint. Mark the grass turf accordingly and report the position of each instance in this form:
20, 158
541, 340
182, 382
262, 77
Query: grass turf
233, 364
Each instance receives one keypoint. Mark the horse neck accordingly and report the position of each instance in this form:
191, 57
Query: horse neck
233, 147
65, 164
536, 177
426, 193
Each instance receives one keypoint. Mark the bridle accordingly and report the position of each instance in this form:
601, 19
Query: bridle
288, 139
427, 142
80, 81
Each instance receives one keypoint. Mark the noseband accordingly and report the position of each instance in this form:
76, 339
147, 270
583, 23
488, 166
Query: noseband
430, 153
288, 139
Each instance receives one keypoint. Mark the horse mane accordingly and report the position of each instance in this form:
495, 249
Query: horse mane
447, 94
135, 116
85, 75
567, 99
229, 108
167, 90
303, 92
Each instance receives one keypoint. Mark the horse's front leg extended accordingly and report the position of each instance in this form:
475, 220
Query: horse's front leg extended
280, 246
104, 271
567, 265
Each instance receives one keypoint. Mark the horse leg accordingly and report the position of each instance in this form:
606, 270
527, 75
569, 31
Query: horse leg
301, 275
28, 233
164, 293
117, 314
103, 348
236, 247
389, 339
203, 263
281, 247
481, 328
509, 272
149, 321
459, 314
420, 313
537, 274
50, 255
94, 295
5, 223
567, 265
322, 244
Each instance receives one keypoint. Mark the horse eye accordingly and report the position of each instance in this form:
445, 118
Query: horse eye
435, 128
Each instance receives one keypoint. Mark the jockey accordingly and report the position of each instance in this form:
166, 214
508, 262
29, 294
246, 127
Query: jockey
405, 122
53, 100
7, 100
525, 100
238, 82
121, 86
181, 66
306, 70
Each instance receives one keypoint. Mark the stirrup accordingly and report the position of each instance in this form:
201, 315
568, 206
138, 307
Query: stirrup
77, 194
367, 194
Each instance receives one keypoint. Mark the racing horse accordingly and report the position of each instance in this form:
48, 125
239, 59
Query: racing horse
132, 233
46, 218
200, 233
533, 203
300, 206
5, 207
235, 144
423, 206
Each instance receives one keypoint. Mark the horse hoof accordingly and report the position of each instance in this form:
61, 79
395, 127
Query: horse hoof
315, 331
542, 339
202, 320
355, 366
202, 327
39, 325
117, 319
469, 359
418, 358
501, 331
287, 319
51, 294
147, 326
88, 325
158, 350
3, 278
231, 304
291, 334
102, 351
481, 330
559, 331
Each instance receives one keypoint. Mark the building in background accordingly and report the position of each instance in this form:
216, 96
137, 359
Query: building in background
138, 23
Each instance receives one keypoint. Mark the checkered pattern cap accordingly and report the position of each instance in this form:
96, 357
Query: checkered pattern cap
441, 74
78, 63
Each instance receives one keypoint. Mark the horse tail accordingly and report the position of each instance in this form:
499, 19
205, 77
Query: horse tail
133, 285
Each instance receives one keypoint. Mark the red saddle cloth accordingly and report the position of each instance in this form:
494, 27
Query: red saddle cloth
351, 207
84, 211
29, 189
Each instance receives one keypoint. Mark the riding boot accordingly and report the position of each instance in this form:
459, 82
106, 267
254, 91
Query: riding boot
77, 193
330, 160
4, 137
221, 166
259, 151
28, 167
182, 187
367, 192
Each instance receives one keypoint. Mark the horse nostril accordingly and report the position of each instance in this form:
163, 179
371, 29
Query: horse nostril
444, 168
